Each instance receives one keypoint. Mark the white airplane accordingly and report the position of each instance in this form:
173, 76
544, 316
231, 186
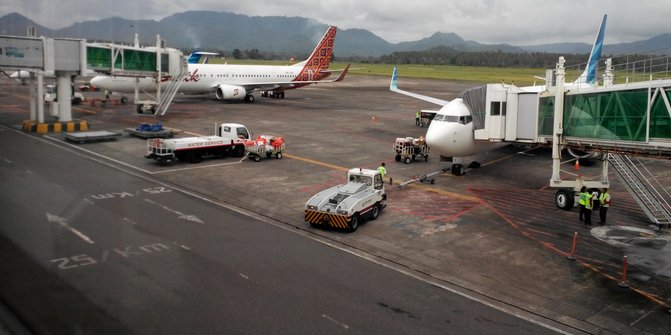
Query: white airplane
237, 82
451, 133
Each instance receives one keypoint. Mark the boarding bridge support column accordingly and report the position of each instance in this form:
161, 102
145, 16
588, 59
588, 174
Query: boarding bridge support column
40, 97
64, 95
32, 89
557, 129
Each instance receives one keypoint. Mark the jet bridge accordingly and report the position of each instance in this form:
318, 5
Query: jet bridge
67, 58
632, 117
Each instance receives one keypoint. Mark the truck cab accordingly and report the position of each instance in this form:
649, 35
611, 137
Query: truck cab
233, 131
345, 206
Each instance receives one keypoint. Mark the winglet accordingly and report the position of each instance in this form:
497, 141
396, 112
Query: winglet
393, 86
589, 75
195, 57
342, 74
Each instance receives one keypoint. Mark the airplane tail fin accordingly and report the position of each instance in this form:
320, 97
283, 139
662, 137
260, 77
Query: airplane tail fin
589, 75
320, 59
196, 57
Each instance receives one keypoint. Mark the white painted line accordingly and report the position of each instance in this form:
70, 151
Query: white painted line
129, 220
335, 321
64, 224
180, 215
199, 167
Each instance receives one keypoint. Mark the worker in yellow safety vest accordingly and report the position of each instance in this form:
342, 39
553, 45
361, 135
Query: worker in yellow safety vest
417, 119
581, 202
383, 172
604, 199
588, 208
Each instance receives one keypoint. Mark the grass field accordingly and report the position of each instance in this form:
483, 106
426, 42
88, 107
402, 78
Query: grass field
467, 74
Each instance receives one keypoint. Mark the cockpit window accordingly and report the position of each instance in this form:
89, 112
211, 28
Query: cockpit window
446, 118
465, 119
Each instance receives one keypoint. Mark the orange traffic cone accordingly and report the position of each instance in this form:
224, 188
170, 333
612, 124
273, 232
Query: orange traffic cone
577, 164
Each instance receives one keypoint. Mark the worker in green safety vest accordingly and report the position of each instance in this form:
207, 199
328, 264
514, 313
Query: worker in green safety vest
581, 202
588, 208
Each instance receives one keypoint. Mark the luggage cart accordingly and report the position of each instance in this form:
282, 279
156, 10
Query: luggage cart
409, 149
265, 146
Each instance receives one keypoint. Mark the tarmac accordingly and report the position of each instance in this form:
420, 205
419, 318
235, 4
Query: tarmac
494, 232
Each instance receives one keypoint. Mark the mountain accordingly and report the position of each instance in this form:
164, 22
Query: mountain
295, 36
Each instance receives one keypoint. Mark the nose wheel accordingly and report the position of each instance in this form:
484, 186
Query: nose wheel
458, 170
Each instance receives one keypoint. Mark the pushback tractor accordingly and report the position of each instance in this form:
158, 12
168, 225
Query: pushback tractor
345, 206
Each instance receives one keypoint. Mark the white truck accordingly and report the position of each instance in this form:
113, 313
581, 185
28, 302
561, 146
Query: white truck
345, 206
229, 140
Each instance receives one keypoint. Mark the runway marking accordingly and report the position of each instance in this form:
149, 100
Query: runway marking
63, 222
199, 167
129, 220
180, 215
327, 317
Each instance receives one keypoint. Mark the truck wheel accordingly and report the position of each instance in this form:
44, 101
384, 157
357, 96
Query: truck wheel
124, 100
239, 151
564, 199
279, 155
407, 160
195, 158
376, 212
249, 98
354, 223
257, 158
138, 109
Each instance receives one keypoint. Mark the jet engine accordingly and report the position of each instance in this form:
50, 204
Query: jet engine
230, 92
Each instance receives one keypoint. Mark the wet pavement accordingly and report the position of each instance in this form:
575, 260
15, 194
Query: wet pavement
495, 231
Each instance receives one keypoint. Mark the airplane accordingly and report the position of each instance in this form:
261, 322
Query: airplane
451, 133
237, 82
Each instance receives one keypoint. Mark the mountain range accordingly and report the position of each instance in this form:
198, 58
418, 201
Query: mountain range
224, 31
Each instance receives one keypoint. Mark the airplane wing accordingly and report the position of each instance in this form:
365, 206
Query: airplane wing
394, 88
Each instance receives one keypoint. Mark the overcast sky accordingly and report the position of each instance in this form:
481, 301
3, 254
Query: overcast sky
517, 22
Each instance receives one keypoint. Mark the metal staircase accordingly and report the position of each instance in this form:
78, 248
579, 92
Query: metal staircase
171, 90
644, 187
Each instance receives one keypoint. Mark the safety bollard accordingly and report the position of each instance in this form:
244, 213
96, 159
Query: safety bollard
624, 283
571, 257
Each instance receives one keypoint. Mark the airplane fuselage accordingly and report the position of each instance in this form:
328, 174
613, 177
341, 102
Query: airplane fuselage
205, 78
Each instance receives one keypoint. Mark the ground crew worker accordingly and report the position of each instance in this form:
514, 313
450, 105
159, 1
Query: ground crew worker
588, 208
604, 199
383, 171
582, 201
417, 119
107, 95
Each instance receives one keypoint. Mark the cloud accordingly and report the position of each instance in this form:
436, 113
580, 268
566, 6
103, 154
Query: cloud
517, 22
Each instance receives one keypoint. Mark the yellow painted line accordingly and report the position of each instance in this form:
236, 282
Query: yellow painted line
312, 161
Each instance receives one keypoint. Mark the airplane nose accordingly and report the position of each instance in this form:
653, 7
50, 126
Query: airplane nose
95, 81
438, 138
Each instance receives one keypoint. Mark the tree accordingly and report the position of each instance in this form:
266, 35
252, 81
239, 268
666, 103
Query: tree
237, 54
